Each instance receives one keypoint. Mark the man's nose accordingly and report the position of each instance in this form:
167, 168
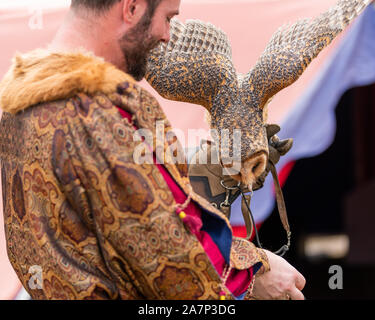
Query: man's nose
166, 37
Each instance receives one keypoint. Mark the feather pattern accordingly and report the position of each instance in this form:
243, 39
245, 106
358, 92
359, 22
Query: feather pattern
293, 47
196, 66
192, 66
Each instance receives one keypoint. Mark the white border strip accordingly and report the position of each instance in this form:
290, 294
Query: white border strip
45, 4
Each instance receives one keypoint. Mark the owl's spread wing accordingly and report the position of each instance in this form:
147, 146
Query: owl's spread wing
193, 65
293, 47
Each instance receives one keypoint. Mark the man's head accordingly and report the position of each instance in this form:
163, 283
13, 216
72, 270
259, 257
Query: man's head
141, 26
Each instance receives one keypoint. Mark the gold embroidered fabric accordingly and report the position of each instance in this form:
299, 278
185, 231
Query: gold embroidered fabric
76, 204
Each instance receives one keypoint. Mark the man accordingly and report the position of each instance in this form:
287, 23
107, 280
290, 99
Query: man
84, 220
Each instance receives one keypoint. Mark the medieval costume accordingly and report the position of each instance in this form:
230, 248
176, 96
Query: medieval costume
76, 204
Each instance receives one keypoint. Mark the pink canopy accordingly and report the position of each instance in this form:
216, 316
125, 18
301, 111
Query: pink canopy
248, 23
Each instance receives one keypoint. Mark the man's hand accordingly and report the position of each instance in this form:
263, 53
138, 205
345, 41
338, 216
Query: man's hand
283, 281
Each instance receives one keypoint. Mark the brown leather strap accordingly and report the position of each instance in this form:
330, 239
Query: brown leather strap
280, 199
249, 219
246, 216
222, 190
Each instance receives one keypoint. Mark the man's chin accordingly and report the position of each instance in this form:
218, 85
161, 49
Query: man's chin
138, 77
138, 73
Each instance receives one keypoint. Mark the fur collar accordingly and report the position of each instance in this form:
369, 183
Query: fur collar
43, 76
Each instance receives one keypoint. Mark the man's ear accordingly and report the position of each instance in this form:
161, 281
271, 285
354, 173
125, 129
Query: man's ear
133, 10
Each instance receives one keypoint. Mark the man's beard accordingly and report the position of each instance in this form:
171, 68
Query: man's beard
136, 46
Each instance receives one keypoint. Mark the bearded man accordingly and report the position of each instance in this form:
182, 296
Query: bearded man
76, 203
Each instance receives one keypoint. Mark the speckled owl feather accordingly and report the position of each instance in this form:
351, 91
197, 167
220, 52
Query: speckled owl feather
196, 66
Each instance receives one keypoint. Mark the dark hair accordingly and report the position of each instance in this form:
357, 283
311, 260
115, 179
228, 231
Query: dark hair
104, 5
96, 5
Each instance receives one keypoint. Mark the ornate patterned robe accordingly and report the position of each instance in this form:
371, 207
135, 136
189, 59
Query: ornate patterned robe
76, 204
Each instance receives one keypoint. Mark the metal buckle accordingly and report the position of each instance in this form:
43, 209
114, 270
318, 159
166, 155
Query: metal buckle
230, 188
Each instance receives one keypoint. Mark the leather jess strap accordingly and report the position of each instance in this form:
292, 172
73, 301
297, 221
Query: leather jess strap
249, 219
221, 190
